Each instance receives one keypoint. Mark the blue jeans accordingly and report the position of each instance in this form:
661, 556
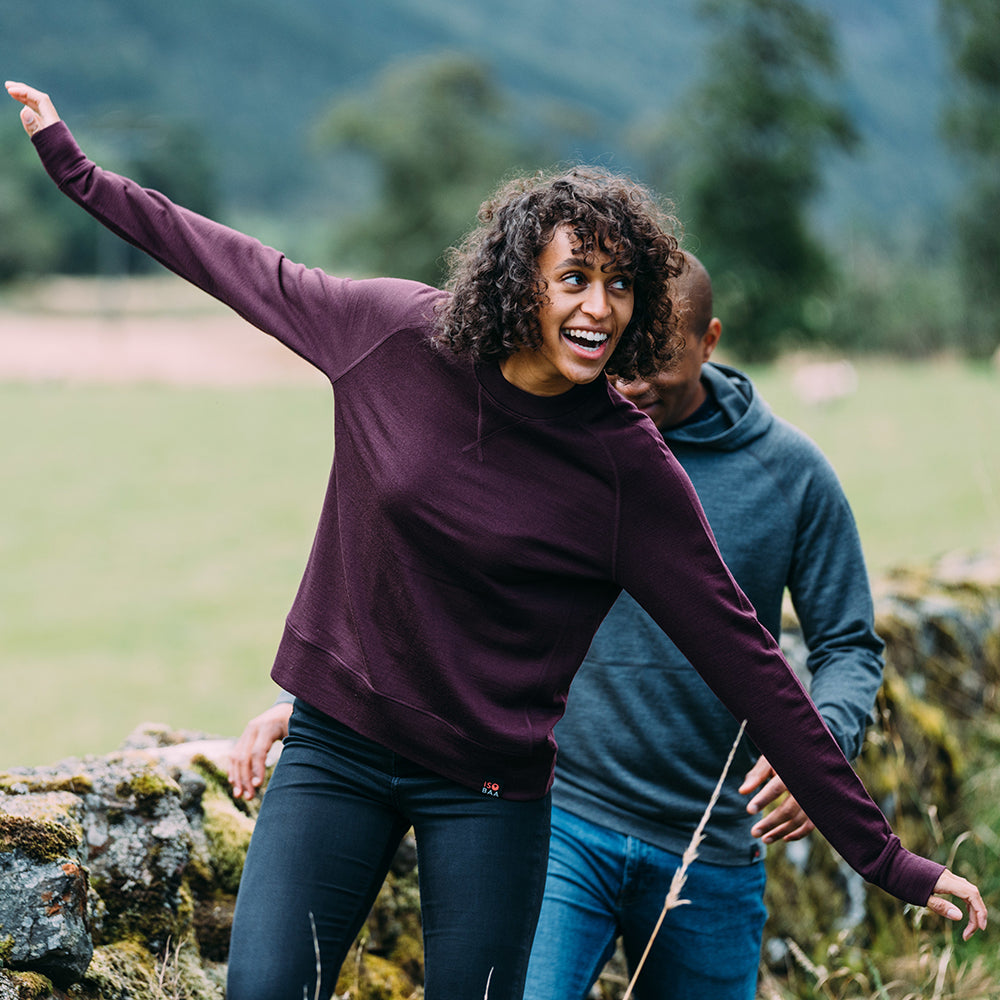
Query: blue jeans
335, 811
602, 884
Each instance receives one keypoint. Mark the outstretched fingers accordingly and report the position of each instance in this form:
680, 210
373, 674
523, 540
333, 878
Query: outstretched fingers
38, 112
954, 885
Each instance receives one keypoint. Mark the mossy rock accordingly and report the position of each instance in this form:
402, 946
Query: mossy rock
144, 914
44, 826
217, 778
23, 782
941, 626
912, 765
40, 841
27, 986
140, 844
146, 790
213, 924
370, 977
227, 831
126, 970
393, 929
912, 762
182, 975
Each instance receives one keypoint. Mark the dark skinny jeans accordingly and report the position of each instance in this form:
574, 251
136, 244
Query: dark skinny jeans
335, 811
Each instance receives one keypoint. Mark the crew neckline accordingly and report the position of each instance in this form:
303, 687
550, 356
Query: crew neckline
527, 404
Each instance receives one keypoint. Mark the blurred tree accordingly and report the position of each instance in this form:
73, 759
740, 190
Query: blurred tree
174, 157
41, 232
750, 141
169, 156
439, 137
972, 126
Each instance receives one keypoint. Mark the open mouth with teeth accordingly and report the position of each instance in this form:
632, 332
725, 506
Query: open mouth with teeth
586, 340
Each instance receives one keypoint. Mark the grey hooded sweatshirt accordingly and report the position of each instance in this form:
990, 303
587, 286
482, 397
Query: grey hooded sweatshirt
643, 740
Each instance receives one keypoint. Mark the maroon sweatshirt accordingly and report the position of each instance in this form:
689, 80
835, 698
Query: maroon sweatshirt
473, 536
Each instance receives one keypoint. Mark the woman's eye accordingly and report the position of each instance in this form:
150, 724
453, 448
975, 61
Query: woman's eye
622, 284
574, 278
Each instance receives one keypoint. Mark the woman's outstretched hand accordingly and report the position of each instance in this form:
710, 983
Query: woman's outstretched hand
38, 112
954, 885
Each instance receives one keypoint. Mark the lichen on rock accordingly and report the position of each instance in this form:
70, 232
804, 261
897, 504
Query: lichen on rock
44, 905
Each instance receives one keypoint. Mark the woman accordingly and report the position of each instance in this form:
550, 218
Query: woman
489, 498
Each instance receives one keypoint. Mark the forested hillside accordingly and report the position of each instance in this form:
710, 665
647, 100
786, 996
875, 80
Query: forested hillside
248, 79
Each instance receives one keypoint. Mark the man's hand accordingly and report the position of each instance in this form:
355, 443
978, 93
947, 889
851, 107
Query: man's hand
248, 759
786, 821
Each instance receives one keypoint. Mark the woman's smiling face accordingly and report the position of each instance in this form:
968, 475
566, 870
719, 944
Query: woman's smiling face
588, 304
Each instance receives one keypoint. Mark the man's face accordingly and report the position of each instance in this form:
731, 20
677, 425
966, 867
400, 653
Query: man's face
673, 395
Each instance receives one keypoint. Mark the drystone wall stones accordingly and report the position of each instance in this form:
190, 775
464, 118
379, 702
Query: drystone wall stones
44, 897
941, 627
118, 873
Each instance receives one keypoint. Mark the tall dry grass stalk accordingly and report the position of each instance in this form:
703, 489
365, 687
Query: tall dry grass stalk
673, 899
168, 971
319, 962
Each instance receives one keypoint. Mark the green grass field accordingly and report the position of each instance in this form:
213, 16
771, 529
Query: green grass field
917, 448
152, 538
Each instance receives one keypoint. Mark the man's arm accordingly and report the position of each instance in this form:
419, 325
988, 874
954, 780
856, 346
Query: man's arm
828, 584
248, 759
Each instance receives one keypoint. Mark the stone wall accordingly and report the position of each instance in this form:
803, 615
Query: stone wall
941, 691
119, 872
119, 860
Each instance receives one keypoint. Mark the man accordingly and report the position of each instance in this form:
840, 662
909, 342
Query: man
643, 741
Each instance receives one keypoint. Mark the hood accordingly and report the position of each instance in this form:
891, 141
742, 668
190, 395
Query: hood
743, 415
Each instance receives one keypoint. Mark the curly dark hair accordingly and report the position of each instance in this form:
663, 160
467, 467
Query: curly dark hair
494, 278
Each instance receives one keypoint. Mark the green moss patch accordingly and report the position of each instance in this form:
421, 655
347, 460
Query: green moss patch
40, 840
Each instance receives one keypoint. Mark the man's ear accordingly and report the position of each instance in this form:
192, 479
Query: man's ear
711, 338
